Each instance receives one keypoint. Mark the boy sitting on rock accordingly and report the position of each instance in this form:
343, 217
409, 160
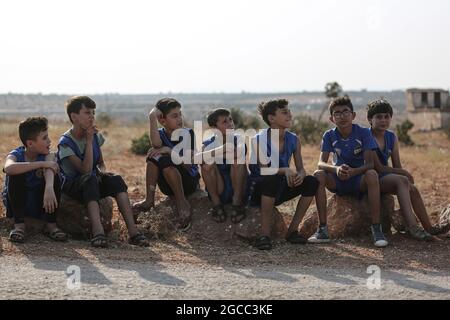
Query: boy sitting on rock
84, 172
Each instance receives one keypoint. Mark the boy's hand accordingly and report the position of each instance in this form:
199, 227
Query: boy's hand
343, 172
298, 178
155, 112
50, 203
158, 151
90, 133
409, 176
51, 165
290, 177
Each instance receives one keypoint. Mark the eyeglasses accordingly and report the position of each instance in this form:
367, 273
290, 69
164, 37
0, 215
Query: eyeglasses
343, 114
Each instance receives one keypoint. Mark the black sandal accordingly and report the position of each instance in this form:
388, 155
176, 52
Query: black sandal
296, 238
263, 243
218, 213
139, 240
99, 241
17, 236
237, 214
58, 235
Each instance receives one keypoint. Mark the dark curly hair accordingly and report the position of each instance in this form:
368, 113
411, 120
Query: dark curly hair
340, 101
30, 128
378, 106
270, 107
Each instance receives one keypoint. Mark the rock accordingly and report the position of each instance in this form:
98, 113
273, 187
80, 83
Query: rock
348, 217
250, 228
73, 217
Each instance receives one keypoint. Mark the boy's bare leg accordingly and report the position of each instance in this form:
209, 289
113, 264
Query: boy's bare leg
399, 185
151, 179
369, 183
325, 181
94, 216
238, 178
123, 202
213, 182
173, 178
302, 205
419, 208
267, 205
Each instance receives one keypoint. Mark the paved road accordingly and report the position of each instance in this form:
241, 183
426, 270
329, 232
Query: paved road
28, 277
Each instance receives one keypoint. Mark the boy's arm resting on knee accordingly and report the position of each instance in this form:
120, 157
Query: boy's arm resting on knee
368, 164
323, 163
12, 167
81, 166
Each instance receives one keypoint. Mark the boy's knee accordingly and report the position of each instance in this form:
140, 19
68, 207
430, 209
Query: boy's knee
403, 181
207, 168
311, 184
321, 176
371, 176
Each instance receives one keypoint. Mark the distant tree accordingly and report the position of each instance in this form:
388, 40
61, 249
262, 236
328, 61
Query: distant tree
332, 90
242, 120
402, 132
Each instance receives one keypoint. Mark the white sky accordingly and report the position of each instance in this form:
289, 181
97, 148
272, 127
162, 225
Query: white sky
93, 46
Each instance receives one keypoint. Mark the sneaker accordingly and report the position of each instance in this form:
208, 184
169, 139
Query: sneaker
378, 236
420, 234
321, 235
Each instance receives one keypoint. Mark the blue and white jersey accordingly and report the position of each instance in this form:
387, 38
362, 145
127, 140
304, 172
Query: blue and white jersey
348, 151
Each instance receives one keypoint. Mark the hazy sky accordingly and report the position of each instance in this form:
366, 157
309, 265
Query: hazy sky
92, 46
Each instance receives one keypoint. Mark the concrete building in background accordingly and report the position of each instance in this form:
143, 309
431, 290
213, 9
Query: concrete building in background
428, 109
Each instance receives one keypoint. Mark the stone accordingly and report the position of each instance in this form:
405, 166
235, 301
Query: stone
73, 217
350, 217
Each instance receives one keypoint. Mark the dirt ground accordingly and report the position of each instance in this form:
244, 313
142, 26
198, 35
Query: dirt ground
197, 249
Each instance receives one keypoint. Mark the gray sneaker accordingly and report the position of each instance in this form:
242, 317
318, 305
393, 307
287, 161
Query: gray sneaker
321, 235
378, 237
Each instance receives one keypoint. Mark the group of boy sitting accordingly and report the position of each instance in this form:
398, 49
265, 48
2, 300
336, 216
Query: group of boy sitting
234, 175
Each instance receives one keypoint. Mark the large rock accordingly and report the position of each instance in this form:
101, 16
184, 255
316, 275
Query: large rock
73, 217
350, 217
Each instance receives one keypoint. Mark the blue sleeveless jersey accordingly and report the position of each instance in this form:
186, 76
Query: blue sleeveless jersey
66, 140
389, 140
193, 171
290, 146
32, 180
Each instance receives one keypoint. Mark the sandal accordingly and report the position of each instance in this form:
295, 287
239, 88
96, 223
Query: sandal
58, 235
185, 222
296, 238
17, 236
218, 213
139, 240
263, 243
99, 241
420, 234
237, 214
140, 207
439, 229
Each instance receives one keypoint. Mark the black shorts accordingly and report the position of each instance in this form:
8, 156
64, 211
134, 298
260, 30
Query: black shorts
87, 188
190, 183
276, 186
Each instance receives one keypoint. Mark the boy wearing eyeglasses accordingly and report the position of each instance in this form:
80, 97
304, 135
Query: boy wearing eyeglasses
352, 170
395, 179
